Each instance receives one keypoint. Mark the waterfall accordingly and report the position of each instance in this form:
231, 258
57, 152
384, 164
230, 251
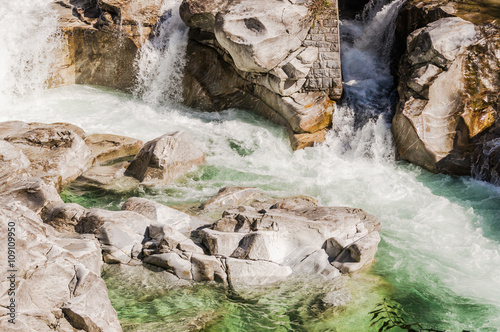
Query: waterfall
360, 124
481, 166
30, 45
161, 59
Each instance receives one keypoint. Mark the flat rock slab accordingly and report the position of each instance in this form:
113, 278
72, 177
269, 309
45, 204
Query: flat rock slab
57, 152
108, 147
164, 215
245, 273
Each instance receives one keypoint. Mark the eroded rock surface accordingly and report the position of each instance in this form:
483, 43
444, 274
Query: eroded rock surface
267, 58
56, 152
447, 117
57, 278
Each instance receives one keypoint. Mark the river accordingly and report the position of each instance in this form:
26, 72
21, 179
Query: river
440, 251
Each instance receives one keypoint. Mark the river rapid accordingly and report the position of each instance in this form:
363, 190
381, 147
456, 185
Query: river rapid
440, 251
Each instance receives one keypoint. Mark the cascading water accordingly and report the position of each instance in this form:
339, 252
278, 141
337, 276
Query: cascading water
161, 61
440, 249
31, 40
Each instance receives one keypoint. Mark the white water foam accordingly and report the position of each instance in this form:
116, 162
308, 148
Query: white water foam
162, 59
30, 41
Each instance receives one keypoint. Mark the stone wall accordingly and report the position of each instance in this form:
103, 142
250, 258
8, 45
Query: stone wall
326, 74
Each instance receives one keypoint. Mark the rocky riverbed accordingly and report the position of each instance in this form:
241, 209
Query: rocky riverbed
62, 247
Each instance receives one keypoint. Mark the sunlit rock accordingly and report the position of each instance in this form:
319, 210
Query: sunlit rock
54, 274
207, 268
261, 35
56, 152
180, 266
63, 216
163, 214
270, 58
107, 147
220, 243
243, 273
165, 158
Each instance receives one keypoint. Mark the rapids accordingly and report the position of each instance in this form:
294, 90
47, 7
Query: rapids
440, 251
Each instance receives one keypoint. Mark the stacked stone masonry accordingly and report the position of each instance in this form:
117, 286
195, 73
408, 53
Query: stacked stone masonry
326, 73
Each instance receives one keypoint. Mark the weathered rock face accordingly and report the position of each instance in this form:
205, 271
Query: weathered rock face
447, 117
264, 57
57, 279
260, 35
56, 152
165, 158
101, 40
293, 237
163, 214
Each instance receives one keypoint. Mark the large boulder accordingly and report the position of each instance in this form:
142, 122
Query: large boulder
101, 40
31, 192
165, 158
207, 268
259, 35
428, 126
173, 262
119, 232
63, 216
446, 120
288, 237
265, 57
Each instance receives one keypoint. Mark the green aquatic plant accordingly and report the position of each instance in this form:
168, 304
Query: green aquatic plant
389, 315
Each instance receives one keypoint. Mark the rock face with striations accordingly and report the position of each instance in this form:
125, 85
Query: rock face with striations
265, 57
447, 117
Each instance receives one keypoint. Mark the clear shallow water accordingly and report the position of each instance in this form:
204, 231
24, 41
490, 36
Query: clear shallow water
439, 255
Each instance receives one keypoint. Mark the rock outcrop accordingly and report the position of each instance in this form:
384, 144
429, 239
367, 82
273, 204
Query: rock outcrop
54, 277
265, 57
56, 153
447, 117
